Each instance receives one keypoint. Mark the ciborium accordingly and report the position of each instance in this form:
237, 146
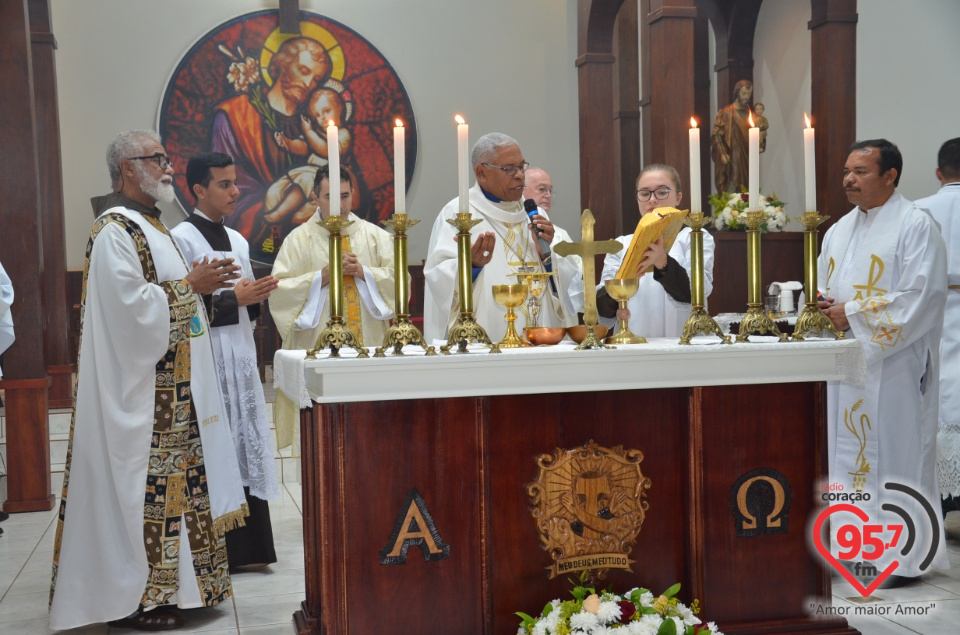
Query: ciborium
755, 322
621, 290
699, 321
510, 296
812, 320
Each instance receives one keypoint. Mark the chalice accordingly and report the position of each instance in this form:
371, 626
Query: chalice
621, 290
510, 296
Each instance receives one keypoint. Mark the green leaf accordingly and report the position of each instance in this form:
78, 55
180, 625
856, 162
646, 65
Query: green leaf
669, 627
527, 620
547, 610
672, 591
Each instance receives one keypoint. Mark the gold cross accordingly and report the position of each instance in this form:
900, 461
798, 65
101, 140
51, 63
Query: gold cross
587, 248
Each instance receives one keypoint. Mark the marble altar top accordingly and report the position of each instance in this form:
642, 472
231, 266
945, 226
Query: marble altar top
661, 363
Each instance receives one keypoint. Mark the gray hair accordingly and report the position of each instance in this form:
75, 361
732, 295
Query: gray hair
125, 145
487, 145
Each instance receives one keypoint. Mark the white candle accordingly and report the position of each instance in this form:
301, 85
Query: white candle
754, 171
333, 160
809, 167
399, 170
694, 166
463, 164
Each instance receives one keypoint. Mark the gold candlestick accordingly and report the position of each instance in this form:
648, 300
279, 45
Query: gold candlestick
621, 290
402, 331
336, 335
755, 322
699, 321
812, 320
465, 330
510, 296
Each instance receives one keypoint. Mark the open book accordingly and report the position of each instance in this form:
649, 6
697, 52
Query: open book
663, 221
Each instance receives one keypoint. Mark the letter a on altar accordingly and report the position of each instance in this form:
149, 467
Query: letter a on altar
415, 527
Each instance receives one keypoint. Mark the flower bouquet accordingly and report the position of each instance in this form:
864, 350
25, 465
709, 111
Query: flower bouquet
730, 209
637, 612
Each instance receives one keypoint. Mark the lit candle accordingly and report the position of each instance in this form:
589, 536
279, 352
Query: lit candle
463, 164
694, 166
333, 160
753, 182
399, 170
809, 167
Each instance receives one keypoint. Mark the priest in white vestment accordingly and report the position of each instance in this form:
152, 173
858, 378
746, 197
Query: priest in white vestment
505, 242
299, 305
944, 206
661, 305
151, 481
6, 317
883, 272
233, 312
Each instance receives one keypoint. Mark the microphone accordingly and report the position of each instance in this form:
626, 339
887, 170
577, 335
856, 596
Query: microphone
530, 206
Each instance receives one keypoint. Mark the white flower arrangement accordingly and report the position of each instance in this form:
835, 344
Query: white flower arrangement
636, 612
730, 209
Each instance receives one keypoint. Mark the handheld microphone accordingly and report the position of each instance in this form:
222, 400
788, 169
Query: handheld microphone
530, 206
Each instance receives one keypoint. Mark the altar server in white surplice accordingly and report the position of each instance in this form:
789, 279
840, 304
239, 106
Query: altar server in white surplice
299, 305
883, 271
151, 482
503, 243
944, 206
661, 305
212, 179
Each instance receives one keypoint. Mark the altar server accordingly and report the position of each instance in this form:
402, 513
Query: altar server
151, 481
505, 242
661, 305
299, 305
212, 179
883, 272
944, 206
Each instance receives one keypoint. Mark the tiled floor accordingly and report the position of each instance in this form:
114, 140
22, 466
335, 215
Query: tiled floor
264, 601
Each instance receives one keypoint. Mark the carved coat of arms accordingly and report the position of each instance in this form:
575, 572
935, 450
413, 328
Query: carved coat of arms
589, 504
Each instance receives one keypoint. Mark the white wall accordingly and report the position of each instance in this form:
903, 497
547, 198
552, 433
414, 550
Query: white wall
507, 66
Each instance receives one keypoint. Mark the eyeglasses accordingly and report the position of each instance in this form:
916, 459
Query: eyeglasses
511, 170
660, 193
163, 161
543, 189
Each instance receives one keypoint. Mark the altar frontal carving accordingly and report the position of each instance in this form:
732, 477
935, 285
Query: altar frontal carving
589, 504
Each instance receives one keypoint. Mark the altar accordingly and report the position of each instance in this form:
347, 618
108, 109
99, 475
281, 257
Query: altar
453, 440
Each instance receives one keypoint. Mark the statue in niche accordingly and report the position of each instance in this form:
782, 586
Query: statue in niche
762, 123
729, 140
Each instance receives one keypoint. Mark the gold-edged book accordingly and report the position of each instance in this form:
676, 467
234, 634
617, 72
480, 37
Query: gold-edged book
663, 221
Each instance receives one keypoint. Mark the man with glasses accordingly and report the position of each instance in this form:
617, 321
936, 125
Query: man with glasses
504, 243
151, 474
661, 305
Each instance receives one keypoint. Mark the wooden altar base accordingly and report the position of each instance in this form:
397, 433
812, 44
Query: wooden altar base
471, 458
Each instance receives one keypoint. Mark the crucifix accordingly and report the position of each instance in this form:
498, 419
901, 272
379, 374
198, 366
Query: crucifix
587, 248
290, 17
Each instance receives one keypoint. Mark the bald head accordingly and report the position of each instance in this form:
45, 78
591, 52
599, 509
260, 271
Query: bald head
539, 186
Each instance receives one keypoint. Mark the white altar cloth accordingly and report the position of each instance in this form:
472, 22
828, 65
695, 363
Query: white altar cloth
661, 363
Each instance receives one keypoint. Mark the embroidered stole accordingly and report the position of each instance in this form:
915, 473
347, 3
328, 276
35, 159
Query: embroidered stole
352, 297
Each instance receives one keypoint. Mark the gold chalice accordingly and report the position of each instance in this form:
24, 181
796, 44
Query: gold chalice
510, 296
621, 290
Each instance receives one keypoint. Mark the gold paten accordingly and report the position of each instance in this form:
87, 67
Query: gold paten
336, 335
589, 504
699, 321
510, 296
812, 320
466, 329
755, 322
587, 249
621, 290
402, 331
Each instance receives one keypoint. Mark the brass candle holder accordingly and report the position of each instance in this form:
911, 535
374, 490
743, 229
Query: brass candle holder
465, 330
621, 290
510, 296
812, 320
755, 322
402, 331
699, 321
336, 335
587, 249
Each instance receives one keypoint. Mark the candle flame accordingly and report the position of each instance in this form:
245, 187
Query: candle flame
330, 123
693, 122
399, 123
459, 120
750, 119
806, 118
